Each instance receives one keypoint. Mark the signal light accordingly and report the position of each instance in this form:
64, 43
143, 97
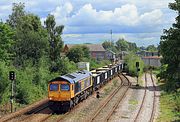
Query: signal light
137, 64
12, 75
138, 69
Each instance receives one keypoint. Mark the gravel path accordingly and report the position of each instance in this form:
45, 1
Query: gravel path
130, 105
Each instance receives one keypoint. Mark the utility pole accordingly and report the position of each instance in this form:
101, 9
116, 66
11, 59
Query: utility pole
112, 58
111, 38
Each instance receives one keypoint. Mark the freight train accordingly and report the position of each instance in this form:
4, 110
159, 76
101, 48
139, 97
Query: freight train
64, 92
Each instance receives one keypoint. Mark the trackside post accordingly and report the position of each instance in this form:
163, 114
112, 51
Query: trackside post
12, 77
137, 71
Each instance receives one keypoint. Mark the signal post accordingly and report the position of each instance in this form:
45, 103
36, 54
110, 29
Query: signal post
137, 71
12, 77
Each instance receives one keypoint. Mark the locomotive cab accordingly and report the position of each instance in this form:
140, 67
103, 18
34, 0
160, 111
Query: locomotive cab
66, 91
59, 90
60, 93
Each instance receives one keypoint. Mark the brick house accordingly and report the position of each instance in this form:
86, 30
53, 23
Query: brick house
152, 60
96, 50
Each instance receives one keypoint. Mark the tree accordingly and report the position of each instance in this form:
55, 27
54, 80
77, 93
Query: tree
109, 46
132, 47
78, 53
86, 52
151, 48
17, 13
75, 54
122, 45
131, 60
6, 42
54, 37
30, 37
169, 49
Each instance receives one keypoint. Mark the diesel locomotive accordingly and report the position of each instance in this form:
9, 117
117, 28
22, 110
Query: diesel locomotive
64, 92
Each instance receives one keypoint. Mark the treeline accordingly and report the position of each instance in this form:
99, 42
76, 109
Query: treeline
34, 52
123, 45
120, 45
170, 70
170, 50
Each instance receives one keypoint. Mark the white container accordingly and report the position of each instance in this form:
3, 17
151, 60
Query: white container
83, 66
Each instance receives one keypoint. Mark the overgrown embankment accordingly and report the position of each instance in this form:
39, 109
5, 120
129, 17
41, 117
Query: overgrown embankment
169, 98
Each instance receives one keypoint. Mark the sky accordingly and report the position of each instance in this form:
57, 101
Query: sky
90, 21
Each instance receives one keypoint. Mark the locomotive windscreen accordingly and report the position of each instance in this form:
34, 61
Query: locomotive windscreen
53, 87
65, 87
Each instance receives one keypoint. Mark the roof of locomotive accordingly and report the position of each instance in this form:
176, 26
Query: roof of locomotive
74, 77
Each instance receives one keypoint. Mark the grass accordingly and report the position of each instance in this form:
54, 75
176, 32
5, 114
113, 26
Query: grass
107, 90
133, 102
167, 108
115, 82
156, 71
169, 102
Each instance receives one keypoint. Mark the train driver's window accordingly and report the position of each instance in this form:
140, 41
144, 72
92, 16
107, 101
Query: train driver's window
53, 87
65, 87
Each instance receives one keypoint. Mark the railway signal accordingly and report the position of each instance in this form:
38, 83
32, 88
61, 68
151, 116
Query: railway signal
137, 70
12, 77
137, 64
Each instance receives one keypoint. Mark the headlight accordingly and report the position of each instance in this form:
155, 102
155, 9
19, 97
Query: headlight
50, 98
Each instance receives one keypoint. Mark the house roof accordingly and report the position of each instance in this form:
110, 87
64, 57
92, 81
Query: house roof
92, 47
95, 47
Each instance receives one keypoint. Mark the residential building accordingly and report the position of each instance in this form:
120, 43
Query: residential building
152, 60
96, 50
147, 53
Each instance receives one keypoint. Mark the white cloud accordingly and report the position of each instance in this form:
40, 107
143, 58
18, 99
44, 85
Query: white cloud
126, 15
88, 16
61, 13
153, 17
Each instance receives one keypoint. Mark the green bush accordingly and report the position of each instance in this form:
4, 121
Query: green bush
94, 64
169, 107
30, 84
131, 60
5, 83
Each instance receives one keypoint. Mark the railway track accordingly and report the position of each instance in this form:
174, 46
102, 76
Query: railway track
154, 99
144, 98
30, 115
116, 96
22, 111
64, 116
